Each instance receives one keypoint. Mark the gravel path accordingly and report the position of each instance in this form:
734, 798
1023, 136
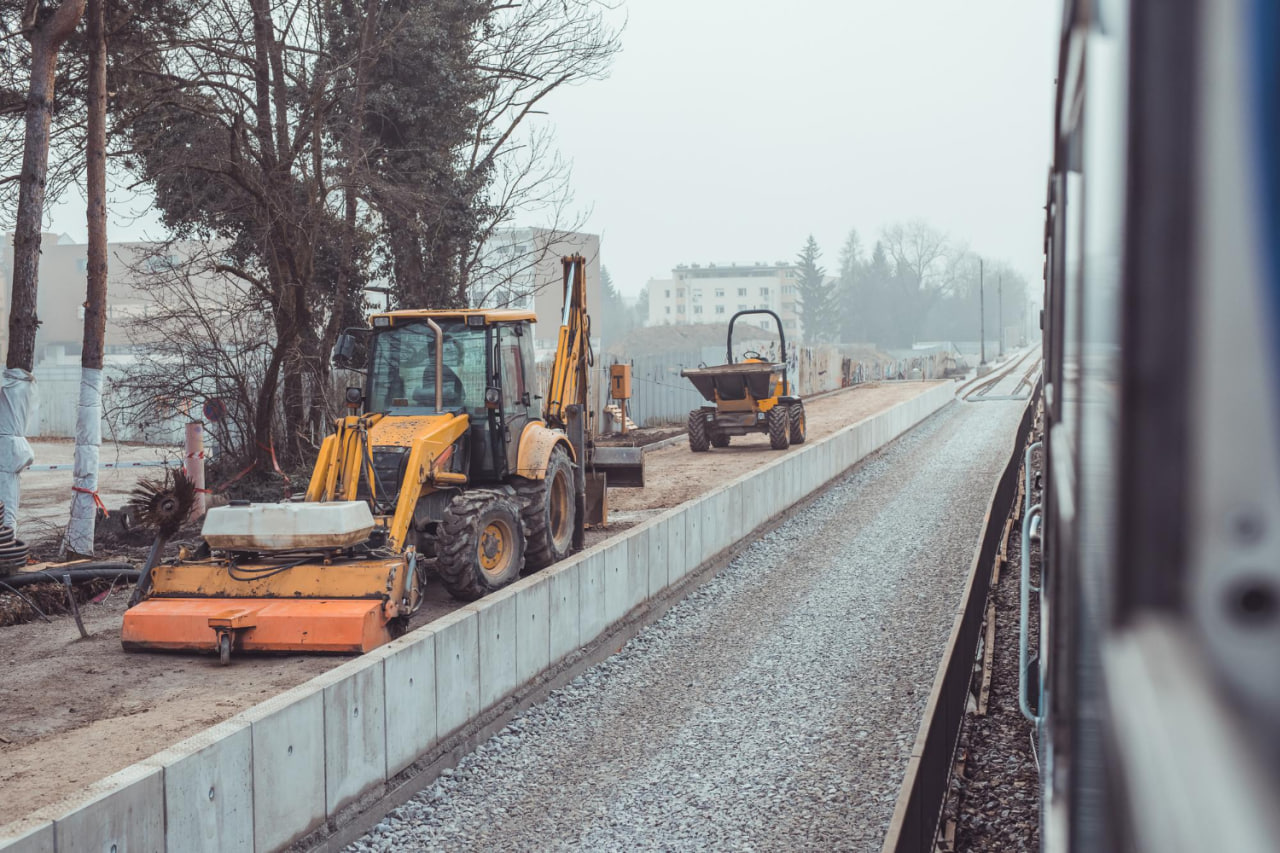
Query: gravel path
772, 709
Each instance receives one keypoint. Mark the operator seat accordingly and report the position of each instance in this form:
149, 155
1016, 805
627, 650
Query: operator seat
452, 394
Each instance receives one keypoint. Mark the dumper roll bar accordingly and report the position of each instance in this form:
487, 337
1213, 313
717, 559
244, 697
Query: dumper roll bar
782, 339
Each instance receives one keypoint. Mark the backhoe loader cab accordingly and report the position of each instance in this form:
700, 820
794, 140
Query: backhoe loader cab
753, 395
484, 367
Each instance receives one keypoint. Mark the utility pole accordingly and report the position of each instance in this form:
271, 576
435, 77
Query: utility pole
982, 319
1000, 292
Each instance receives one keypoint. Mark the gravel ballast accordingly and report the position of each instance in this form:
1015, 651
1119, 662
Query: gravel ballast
772, 709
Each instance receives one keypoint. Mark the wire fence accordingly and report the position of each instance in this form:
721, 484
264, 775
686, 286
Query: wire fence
660, 395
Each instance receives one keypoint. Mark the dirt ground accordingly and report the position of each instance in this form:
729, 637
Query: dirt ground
674, 474
75, 710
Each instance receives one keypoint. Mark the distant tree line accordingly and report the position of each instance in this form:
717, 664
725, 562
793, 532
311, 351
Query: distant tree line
914, 284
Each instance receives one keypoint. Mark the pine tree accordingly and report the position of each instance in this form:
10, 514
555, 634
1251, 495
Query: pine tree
816, 298
852, 323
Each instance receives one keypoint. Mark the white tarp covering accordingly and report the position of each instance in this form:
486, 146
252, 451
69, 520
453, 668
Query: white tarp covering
84, 509
16, 390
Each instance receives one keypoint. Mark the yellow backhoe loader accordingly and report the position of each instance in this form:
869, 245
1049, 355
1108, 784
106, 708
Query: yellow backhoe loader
450, 460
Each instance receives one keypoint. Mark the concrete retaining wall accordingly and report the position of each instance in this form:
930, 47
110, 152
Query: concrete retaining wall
276, 772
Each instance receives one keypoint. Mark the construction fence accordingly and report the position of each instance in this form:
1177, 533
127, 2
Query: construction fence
660, 395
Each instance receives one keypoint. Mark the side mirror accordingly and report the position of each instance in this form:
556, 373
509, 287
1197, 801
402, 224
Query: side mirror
351, 349
344, 349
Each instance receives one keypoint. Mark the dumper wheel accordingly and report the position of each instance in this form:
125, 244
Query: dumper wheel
779, 420
797, 423
548, 511
698, 441
481, 543
719, 439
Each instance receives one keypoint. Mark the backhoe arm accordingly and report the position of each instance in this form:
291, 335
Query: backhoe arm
573, 349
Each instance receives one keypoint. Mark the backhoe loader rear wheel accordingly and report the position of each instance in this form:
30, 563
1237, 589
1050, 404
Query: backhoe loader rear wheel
698, 441
548, 510
719, 439
480, 547
797, 423
779, 420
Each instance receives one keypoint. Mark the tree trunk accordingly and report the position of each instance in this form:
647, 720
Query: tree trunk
46, 39
84, 500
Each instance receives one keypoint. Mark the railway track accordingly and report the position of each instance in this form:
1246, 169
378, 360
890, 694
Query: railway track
981, 387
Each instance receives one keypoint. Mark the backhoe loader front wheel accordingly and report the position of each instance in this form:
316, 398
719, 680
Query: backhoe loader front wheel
698, 440
798, 425
548, 510
779, 420
481, 543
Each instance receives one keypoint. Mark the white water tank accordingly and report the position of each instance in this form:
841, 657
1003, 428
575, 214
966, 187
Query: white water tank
288, 526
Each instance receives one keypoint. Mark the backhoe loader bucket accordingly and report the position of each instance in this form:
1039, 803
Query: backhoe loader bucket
623, 466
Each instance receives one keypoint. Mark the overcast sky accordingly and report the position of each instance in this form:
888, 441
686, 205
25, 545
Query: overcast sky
729, 130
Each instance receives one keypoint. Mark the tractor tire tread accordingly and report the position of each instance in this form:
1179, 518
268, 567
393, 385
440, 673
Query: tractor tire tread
456, 545
699, 442
539, 548
779, 421
799, 425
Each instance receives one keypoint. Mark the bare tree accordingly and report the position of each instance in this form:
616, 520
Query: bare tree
921, 256
205, 336
46, 29
85, 501
531, 50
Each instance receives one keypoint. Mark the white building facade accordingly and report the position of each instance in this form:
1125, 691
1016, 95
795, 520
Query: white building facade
714, 293
521, 268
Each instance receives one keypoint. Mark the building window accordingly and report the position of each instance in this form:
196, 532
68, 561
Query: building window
742, 291
680, 292
764, 291
668, 294
789, 324
719, 309
719, 291
668, 309
788, 288
679, 309
697, 309
742, 308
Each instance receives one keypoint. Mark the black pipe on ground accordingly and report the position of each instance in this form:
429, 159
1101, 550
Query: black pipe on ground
82, 572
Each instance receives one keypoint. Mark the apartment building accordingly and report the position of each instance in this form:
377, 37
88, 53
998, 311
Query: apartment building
715, 292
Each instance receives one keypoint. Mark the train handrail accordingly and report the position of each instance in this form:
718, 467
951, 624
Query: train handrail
1024, 610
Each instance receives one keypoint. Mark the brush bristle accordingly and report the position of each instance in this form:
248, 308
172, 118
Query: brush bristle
165, 503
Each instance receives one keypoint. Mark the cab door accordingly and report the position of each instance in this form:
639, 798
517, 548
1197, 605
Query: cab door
515, 362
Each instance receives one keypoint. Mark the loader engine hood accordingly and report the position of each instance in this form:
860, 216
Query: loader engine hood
405, 430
